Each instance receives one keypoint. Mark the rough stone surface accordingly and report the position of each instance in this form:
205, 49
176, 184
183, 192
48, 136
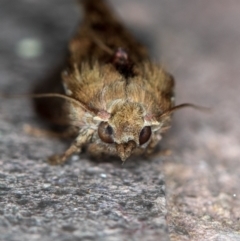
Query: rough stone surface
198, 42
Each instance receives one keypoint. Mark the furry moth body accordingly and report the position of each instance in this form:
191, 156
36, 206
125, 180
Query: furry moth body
121, 101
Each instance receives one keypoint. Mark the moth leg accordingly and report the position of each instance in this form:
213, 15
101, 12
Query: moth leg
151, 147
62, 158
76, 147
152, 144
96, 150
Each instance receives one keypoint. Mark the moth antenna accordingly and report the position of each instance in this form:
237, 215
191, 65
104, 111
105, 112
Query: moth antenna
101, 44
185, 105
53, 95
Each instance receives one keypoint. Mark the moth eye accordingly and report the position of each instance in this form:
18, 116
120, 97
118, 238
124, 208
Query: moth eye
145, 134
105, 132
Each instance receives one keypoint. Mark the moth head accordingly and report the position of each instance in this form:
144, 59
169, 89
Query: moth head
128, 126
125, 128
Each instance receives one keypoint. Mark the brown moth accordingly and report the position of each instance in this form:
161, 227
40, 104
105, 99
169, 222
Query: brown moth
117, 100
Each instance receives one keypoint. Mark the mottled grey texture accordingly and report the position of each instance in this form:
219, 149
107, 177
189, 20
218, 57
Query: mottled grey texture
198, 42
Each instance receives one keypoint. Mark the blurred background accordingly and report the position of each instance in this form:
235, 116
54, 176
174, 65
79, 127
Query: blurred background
196, 41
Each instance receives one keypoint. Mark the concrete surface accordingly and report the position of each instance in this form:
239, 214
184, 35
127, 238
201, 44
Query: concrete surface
198, 42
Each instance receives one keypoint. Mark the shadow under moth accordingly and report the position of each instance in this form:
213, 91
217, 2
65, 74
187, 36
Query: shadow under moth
115, 99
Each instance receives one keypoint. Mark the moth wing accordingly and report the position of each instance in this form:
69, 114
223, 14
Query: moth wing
101, 29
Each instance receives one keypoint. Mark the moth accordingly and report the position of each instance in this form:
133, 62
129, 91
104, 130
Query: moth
117, 101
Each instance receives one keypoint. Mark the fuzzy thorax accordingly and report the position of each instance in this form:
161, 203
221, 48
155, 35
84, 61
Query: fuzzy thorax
127, 119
